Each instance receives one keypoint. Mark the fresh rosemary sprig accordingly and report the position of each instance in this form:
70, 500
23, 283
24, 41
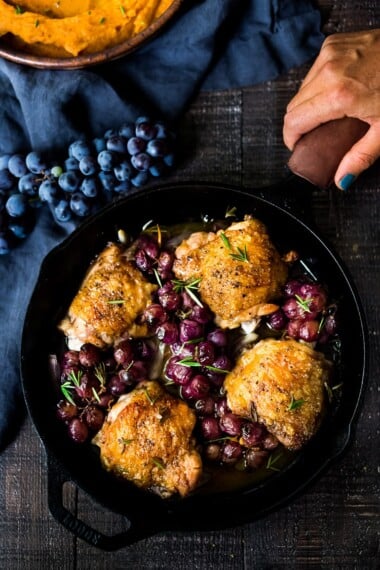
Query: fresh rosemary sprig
158, 462
191, 286
304, 303
71, 383
189, 362
241, 254
116, 302
272, 460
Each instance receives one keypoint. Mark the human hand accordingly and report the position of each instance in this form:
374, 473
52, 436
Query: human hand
344, 81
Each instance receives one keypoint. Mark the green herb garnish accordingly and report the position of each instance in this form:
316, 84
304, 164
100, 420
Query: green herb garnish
72, 382
102, 20
122, 10
149, 397
158, 462
272, 460
304, 303
240, 255
230, 212
116, 302
190, 286
19, 9
294, 404
189, 362
36, 23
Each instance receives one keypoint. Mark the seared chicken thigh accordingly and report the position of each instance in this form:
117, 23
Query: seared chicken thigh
113, 293
282, 382
241, 271
147, 439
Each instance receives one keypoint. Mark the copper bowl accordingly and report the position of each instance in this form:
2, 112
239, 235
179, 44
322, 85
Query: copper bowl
21, 55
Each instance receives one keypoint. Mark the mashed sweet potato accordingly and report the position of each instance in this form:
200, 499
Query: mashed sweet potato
69, 28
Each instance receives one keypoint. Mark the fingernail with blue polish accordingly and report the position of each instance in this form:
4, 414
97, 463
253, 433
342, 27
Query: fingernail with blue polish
346, 181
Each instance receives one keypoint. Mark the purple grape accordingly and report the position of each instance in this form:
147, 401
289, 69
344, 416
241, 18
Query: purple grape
222, 362
256, 458
293, 328
270, 442
105, 400
213, 452
230, 424
70, 357
292, 288
198, 387
78, 431
218, 337
205, 406
66, 411
294, 309
231, 452
189, 330
143, 350
135, 145
210, 428
168, 298
206, 353
123, 353
155, 314
179, 373
221, 407
184, 349
88, 383
117, 386
277, 320
309, 331
93, 417
89, 355
187, 301
167, 332
143, 261
252, 433
165, 261
315, 294
201, 315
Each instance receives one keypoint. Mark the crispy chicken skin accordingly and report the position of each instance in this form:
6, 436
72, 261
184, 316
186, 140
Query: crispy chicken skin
236, 290
147, 439
112, 295
282, 381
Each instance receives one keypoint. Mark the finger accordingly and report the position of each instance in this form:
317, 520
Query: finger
307, 116
360, 157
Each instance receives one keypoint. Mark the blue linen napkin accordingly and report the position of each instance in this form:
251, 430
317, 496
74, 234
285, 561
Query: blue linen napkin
212, 44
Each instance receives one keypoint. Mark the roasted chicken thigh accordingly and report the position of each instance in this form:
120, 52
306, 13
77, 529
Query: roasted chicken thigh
240, 271
113, 293
147, 439
282, 383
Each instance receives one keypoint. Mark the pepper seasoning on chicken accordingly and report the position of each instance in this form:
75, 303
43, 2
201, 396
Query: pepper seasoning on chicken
147, 439
283, 383
112, 295
241, 271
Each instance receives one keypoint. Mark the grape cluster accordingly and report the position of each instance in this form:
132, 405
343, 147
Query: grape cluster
305, 313
94, 173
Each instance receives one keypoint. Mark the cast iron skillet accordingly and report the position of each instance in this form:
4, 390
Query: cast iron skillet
61, 273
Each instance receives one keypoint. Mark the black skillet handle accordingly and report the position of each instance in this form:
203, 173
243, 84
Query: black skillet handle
317, 154
56, 480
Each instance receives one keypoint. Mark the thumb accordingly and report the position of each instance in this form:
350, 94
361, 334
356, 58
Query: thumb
360, 157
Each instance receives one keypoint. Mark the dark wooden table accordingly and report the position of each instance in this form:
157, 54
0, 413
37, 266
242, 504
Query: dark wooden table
236, 136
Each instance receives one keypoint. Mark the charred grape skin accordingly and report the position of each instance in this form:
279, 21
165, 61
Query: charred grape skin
93, 417
66, 411
231, 452
256, 458
210, 428
123, 353
89, 355
78, 430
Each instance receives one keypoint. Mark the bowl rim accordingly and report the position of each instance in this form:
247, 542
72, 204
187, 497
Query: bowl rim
88, 60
